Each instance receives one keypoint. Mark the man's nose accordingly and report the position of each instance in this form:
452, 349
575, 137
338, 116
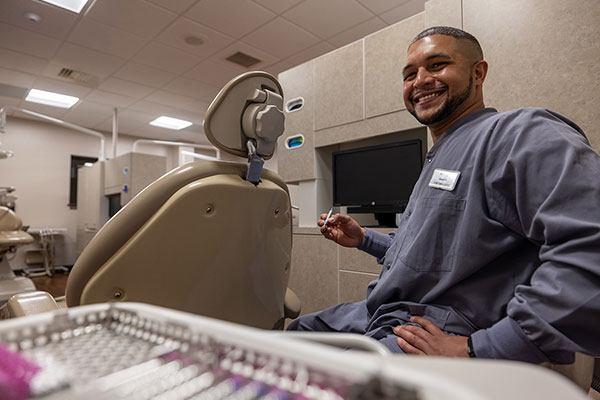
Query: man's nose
423, 78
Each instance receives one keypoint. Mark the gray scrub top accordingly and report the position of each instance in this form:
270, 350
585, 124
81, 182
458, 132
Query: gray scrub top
511, 255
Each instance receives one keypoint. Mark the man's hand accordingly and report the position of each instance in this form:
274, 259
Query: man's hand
430, 340
342, 229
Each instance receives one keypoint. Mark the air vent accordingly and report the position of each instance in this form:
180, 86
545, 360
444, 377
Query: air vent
243, 59
79, 77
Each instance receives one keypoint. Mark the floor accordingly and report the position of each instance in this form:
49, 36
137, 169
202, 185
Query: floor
55, 284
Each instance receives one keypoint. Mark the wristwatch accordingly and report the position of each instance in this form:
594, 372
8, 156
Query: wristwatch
470, 350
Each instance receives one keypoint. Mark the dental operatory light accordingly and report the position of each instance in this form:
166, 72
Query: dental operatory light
51, 98
170, 123
71, 5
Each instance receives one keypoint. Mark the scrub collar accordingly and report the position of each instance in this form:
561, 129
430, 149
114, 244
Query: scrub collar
457, 124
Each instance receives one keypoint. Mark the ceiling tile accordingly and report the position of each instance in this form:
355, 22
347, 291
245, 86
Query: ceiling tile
167, 58
10, 101
52, 85
177, 6
192, 88
157, 110
135, 16
265, 59
130, 116
87, 60
175, 34
50, 111
97, 36
178, 101
380, 6
88, 113
232, 17
144, 74
278, 6
21, 62
23, 41
408, 9
184, 135
128, 120
16, 92
126, 88
112, 99
357, 32
281, 38
16, 78
55, 21
212, 72
326, 18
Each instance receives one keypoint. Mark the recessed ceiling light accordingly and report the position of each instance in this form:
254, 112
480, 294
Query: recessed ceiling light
71, 5
51, 98
193, 40
170, 123
32, 17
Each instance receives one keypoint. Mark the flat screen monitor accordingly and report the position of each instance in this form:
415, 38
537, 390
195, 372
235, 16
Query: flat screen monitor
377, 178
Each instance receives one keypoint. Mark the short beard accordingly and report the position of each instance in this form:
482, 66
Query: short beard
448, 108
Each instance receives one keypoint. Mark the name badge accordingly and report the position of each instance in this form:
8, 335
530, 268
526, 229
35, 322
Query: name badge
444, 179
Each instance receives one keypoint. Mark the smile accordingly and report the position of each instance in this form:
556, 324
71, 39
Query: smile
421, 98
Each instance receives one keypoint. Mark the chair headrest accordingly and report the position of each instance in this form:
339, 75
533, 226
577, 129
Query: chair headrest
248, 108
9, 220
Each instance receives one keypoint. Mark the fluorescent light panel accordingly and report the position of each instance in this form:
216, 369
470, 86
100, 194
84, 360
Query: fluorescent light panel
71, 5
51, 98
170, 123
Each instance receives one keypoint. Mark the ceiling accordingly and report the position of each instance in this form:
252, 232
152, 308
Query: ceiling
133, 54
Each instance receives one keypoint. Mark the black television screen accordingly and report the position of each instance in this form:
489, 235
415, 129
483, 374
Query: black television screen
378, 178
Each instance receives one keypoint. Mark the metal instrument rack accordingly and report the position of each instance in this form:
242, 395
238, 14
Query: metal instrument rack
136, 351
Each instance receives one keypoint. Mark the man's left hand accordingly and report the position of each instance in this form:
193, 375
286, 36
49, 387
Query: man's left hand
430, 340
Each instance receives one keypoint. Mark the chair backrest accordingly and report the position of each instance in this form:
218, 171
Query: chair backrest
202, 238
10, 230
9, 220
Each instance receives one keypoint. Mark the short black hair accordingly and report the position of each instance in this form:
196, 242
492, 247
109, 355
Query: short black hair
454, 32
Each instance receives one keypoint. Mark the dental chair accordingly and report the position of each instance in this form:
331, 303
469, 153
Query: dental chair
11, 236
210, 237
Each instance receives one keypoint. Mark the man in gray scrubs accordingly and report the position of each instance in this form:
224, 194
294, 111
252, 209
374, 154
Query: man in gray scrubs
498, 252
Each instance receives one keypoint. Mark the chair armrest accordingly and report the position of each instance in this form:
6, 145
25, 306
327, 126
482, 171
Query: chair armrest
29, 303
291, 305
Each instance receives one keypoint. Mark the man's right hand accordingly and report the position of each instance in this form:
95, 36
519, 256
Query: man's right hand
342, 229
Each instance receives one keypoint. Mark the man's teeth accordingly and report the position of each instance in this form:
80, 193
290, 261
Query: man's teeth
429, 96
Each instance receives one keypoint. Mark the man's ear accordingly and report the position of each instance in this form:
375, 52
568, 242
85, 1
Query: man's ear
480, 69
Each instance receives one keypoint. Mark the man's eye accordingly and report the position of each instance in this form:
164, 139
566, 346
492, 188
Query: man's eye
409, 76
438, 65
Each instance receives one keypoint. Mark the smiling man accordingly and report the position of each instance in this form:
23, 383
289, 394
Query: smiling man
497, 254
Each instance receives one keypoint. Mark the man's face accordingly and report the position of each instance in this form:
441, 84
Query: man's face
437, 79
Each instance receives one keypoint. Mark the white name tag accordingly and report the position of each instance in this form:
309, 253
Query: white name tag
444, 179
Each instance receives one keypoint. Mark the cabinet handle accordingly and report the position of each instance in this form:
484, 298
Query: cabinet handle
294, 142
294, 104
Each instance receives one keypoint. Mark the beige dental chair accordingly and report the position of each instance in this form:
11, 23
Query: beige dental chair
11, 236
210, 237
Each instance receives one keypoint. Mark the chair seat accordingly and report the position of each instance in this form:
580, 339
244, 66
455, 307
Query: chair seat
14, 238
